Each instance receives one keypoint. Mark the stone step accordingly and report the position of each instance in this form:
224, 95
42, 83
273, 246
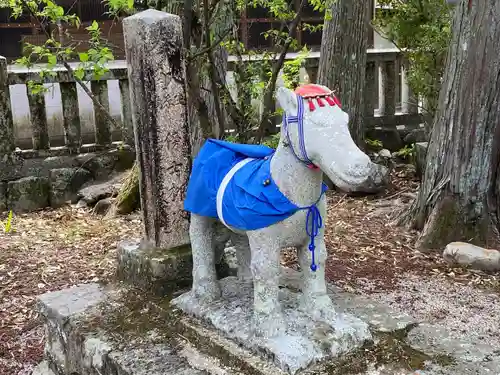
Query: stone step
112, 330
119, 330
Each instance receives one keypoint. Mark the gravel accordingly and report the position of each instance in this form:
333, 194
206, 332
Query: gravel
469, 313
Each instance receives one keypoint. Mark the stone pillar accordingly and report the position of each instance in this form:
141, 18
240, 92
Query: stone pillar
156, 71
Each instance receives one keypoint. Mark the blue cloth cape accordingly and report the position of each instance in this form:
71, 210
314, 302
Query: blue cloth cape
248, 202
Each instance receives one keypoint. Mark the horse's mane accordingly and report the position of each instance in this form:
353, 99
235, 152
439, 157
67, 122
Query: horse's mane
311, 91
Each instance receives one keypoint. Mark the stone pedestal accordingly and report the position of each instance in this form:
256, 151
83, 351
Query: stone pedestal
305, 342
155, 270
155, 62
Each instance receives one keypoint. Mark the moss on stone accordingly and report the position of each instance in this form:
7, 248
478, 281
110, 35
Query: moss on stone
28, 194
128, 198
132, 316
390, 350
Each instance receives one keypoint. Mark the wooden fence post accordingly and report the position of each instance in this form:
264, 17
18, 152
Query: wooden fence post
71, 115
6, 121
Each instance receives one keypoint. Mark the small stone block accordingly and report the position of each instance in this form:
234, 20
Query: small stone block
305, 342
156, 270
87, 333
28, 194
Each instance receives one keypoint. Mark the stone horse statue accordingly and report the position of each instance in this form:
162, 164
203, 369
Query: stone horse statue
271, 199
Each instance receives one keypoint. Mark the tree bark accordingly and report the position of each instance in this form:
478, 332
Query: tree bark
459, 194
342, 63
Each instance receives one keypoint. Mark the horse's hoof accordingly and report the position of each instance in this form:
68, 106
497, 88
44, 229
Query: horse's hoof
207, 292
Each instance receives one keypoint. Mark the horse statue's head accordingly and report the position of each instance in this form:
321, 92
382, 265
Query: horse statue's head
316, 129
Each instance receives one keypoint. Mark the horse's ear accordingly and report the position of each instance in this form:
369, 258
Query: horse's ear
287, 100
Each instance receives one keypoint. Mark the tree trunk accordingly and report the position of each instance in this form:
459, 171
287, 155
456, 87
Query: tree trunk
458, 198
342, 63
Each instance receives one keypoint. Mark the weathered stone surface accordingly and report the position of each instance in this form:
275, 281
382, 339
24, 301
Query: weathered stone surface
101, 165
3, 196
435, 340
87, 333
466, 254
153, 269
305, 341
154, 50
414, 136
28, 194
43, 369
103, 206
380, 317
92, 192
64, 184
420, 155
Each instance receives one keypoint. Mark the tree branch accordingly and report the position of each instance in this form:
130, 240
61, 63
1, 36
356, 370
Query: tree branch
70, 69
269, 92
212, 68
210, 48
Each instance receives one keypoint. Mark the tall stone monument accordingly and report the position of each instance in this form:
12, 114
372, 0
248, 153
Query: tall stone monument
155, 62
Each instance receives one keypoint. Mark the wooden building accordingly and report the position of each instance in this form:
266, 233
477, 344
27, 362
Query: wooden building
253, 23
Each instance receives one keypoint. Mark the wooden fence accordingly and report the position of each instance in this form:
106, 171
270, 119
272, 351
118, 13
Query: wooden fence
389, 102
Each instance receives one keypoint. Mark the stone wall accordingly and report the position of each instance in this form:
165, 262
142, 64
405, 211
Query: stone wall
31, 181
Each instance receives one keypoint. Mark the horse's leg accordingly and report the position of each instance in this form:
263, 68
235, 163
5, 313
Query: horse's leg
243, 254
265, 254
205, 284
315, 300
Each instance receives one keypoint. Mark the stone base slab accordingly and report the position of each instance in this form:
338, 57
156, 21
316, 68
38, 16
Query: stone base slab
91, 329
305, 341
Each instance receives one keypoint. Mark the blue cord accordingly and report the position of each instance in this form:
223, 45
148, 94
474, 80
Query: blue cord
314, 222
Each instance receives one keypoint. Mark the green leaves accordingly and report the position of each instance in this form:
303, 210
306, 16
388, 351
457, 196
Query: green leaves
422, 29
84, 57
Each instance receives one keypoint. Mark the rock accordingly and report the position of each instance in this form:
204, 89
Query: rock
414, 136
95, 191
436, 340
101, 165
161, 130
385, 153
155, 270
28, 194
420, 157
65, 183
102, 207
384, 158
465, 254
390, 138
3, 196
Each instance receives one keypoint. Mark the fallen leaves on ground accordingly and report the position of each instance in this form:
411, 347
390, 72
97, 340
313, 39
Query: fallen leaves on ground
55, 249
49, 250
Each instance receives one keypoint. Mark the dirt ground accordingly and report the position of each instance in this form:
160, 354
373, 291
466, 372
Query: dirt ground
54, 249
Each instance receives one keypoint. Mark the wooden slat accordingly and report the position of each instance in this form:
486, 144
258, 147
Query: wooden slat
6, 120
23, 75
38, 117
126, 112
409, 102
371, 89
387, 79
71, 115
102, 125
